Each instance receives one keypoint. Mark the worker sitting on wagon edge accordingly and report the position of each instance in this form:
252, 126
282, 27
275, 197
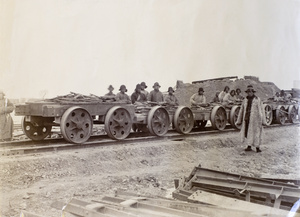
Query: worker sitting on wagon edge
223, 93
229, 98
110, 89
198, 99
238, 95
171, 99
143, 87
122, 96
137, 95
155, 95
216, 98
277, 97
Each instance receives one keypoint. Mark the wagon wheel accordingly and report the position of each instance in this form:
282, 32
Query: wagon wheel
118, 123
158, 121
33, 132
183, 120
280, 115
268, 114
292, 114
233, 116
76, 125
218, 118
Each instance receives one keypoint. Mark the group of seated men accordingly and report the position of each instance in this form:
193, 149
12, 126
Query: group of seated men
226, 97
141, 95
282, 96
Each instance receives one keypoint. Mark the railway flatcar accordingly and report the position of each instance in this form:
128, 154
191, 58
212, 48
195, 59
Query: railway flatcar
218, 114
281, 112
74, 114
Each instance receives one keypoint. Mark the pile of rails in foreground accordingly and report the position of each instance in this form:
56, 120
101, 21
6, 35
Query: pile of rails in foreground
133, 205
204, 193
231, 191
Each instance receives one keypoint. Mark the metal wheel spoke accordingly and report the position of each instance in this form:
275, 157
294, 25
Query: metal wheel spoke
118, 123
76, 125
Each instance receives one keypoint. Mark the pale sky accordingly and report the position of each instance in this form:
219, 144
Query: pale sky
85, 45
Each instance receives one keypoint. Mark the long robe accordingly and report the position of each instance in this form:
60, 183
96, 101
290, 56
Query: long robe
6, 122
257, 118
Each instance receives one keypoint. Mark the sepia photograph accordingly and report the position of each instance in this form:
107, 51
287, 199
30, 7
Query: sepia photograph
149, 108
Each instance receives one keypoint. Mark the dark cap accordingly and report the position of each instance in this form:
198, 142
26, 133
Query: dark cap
156, 84
200, 89
171, 89
110, 87
138, 86
250, 87
123, 87
143, 84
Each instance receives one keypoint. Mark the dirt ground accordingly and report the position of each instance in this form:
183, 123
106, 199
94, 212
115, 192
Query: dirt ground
33, 182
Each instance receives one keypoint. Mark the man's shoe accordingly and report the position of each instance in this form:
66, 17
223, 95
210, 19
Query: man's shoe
258, 150
248, 148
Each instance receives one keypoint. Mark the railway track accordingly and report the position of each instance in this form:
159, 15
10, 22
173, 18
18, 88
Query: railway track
50, 145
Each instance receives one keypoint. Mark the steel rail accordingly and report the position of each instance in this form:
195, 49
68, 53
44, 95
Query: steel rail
60, 144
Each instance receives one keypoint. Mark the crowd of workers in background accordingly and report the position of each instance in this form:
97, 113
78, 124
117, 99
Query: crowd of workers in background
226, 97
141, 95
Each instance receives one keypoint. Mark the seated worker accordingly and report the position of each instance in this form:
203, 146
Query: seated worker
238, 95
282, 94
137, 95
171, 99
122, 96
229, 98
277, 97
289, 96
155, 95
223, 93
198, 99
110, 89
143, 87
216, 98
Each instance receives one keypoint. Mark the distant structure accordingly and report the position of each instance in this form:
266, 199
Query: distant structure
215, 79
252, 78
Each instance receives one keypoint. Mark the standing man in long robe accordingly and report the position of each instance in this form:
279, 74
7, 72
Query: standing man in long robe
251, 117
6, 122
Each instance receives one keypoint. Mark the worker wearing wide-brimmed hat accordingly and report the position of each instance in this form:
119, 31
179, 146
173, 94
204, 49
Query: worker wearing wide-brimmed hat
137, 95
122, 96
198, 99
110, 89
171, 99
155, 95
143, 89
6, 122
251, 117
